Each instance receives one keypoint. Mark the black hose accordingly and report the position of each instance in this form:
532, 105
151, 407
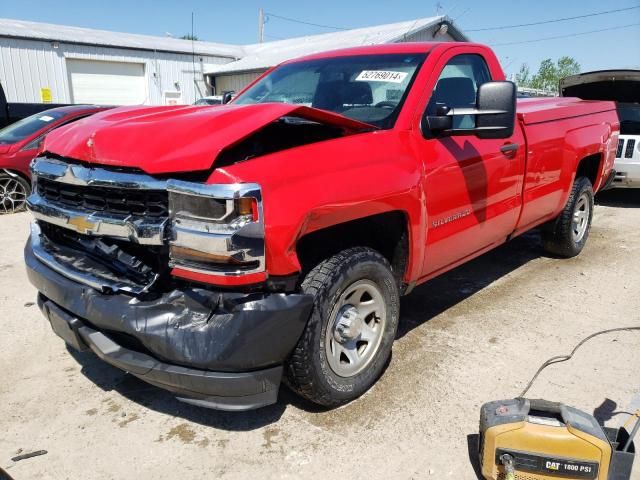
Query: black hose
564, 358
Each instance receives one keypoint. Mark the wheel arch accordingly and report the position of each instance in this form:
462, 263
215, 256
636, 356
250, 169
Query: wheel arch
585, 150
14, 172
590, 166
388, 232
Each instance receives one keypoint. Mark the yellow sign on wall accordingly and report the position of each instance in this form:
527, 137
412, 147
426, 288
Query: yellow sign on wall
45, 95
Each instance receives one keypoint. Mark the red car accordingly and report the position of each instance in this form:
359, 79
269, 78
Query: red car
215, 252
19, 143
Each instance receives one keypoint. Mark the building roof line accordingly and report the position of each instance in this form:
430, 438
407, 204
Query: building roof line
259, 56
121, 47
23, 29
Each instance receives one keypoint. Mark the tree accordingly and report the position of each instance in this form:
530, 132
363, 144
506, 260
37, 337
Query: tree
188, 36
567, 66
523, 77
549, 73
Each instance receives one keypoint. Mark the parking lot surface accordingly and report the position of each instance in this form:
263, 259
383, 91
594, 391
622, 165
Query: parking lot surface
475, 334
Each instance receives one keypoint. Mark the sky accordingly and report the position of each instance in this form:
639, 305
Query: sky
236, 22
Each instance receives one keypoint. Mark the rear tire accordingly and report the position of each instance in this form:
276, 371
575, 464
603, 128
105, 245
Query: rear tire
567, 235
347, 341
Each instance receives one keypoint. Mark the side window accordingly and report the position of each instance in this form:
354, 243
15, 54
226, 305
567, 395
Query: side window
35, 143
458, 85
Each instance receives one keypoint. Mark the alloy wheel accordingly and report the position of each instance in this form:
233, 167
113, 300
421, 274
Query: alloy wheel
13, 195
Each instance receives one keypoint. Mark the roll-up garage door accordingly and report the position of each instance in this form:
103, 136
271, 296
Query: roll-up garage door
106, 83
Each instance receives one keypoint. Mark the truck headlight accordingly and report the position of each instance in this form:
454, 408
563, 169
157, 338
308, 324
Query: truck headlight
216, 229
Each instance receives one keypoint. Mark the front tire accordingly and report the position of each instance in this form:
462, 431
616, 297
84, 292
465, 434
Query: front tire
347, 341
567, 235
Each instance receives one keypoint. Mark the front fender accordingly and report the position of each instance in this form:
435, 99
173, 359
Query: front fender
316, 186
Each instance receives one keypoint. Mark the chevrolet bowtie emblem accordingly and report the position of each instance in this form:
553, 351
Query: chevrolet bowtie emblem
81, 223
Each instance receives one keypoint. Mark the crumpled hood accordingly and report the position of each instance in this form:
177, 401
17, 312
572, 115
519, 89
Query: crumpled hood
174, 139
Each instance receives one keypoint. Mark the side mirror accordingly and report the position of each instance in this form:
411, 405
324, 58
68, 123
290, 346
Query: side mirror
496, 107
495, 114
433, 125
227, 97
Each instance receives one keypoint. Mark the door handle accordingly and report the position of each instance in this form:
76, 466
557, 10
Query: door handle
509, 149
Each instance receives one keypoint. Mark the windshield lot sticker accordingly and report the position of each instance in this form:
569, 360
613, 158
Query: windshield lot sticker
381, 76
46, 118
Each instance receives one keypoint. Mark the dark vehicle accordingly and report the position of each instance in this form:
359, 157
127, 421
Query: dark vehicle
212, 100
623, 87
11, 112
19, 143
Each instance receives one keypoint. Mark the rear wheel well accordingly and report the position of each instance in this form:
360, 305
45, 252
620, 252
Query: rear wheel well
589, 167
386, 233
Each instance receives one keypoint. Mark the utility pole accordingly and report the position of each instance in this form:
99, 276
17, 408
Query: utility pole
260, 26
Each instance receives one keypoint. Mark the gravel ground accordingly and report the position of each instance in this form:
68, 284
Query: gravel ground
475, 334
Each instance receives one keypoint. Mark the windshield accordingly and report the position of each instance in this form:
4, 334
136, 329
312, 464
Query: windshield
367, 88
629, 114
28, 126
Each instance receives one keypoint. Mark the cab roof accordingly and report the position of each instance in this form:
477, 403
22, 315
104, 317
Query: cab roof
388, 48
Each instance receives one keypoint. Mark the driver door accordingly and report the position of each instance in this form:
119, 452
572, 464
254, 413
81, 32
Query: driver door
472, 185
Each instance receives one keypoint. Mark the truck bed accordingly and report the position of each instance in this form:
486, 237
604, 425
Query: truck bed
539, 110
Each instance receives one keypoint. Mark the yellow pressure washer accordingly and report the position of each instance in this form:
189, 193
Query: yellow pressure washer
523, 439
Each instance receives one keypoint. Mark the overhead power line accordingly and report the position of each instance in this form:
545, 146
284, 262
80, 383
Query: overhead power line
304, 22
462, 14
565, 36
555, 20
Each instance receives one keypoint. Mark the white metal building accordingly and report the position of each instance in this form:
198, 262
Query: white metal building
41, 62
61, 64
257, 58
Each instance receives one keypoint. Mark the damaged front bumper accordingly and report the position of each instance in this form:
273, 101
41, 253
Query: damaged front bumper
221, 350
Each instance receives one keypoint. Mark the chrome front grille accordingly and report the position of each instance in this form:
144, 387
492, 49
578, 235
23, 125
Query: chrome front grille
116, 211
110, 200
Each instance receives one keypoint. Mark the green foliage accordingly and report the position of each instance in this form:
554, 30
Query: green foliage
188, 36
549, 73
523, 77
567, 66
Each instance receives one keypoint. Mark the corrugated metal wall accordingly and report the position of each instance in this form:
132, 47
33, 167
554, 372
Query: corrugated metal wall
234, 82
26, 66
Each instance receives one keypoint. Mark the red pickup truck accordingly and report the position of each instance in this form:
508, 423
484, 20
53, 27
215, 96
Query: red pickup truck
217, 251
